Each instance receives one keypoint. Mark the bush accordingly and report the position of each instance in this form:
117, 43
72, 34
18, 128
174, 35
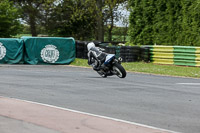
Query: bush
9, 19
164, 22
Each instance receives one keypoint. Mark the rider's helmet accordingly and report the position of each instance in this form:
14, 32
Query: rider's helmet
90, 45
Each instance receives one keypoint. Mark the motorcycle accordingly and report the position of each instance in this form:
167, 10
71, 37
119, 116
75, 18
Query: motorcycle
110, 66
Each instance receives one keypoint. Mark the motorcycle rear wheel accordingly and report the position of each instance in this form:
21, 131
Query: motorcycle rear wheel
119, 70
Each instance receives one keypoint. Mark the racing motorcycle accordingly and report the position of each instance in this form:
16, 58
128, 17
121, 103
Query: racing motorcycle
110, 66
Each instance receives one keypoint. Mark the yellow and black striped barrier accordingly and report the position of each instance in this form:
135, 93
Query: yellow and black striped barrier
175, 55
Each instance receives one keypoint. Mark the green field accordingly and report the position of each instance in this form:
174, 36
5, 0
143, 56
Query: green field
151, 68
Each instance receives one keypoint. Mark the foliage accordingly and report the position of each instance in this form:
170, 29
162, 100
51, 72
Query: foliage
119, 34
9, 23
73, 18
32, 12
111, 15
165, 22
82, 19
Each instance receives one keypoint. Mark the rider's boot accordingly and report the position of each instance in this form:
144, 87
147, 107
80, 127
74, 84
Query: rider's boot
97, 67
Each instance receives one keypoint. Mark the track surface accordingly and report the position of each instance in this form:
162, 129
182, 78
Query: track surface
164, 102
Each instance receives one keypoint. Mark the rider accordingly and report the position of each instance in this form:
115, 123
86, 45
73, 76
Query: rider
97, 54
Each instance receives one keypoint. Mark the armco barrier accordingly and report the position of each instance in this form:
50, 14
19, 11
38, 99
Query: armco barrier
11, 51
175, 55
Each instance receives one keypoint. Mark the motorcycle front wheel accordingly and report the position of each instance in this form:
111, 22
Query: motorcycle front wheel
119, 70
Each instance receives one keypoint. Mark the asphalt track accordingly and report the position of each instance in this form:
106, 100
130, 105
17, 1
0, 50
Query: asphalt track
171, 103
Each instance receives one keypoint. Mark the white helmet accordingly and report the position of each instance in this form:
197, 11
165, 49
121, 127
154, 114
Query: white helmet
90, 45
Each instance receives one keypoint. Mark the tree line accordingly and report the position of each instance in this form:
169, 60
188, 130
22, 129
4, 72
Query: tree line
165, 22
81, 19
161, 22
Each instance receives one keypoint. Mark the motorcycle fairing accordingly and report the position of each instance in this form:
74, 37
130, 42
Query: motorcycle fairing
109, 57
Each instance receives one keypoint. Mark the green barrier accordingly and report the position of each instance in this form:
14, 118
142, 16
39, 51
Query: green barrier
49, 50
11, 51
177, 55
184, 49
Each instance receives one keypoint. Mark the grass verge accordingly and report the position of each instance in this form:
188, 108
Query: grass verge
151, 68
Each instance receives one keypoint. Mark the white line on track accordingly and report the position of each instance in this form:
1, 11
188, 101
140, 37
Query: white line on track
99, 116
188, 83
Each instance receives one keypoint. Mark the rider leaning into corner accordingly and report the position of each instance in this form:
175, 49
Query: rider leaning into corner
97, 54
97, 58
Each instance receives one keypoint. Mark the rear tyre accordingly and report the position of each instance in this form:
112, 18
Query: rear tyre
119, 70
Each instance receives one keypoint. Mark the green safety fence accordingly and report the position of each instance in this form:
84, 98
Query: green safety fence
11, 51
49, 50
175, 55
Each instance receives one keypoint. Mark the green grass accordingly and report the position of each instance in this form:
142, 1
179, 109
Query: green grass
80, 62
151, 68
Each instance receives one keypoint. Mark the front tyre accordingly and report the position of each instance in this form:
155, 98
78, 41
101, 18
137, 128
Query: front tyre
119, 70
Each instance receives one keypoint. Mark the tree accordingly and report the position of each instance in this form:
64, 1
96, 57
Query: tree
107, 15
190, 22
75, 18
124, 20
137, 23
174, 20
82, 19
170, 22
30, 12
165, 22
9, 19
100, 23
160, 25
110, 14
